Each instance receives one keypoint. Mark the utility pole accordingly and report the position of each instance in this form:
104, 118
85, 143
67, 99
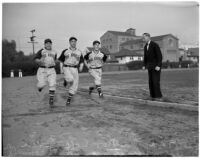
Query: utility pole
32, 40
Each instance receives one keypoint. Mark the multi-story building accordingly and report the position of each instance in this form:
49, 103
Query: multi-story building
168, 44
112, 39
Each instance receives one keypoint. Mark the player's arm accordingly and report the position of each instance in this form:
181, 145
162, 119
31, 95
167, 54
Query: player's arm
104, 57
86, 59
81, 63
38, 57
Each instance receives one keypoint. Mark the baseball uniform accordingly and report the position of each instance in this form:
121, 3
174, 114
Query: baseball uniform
71, 60
46, 71
95, 62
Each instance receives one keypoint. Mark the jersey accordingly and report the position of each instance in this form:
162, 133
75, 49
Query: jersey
95, 59
47, 57
71, 57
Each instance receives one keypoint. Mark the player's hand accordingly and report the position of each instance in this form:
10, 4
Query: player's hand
143, 68
157, 68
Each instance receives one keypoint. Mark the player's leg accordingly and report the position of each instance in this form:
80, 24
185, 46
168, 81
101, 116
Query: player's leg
97, 74
92, 87
52, 85
68, 77
98, 82
42, 78
74, 86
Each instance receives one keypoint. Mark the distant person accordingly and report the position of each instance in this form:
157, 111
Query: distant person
153, 62
94, 62
20, 73
12, 73
46, 59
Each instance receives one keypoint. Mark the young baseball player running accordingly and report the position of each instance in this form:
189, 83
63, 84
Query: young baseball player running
94, 63
72, 59
46, 58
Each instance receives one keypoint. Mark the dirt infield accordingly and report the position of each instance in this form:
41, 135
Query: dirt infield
92, 126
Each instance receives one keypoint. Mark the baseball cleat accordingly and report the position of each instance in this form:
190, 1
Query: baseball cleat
40, 89
51, 102
68, 102
101, 95
90, 90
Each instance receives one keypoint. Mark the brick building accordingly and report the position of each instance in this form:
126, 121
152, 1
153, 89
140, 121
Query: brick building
112, 39
168, 44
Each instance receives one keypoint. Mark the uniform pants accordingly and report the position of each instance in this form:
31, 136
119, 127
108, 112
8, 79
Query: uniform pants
154, 83
45, 75
71, 76
96, 75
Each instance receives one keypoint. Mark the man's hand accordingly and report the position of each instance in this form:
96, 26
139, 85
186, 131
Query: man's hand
157, 68
143, 68
40, 62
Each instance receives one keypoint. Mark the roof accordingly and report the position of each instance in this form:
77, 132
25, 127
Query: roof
126, 52
103, 49
193, 52
119, 33
154, 38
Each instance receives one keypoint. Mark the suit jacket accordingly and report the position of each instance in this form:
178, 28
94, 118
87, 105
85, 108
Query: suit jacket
152, 56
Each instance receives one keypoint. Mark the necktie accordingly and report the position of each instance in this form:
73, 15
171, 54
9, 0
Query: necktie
147, 46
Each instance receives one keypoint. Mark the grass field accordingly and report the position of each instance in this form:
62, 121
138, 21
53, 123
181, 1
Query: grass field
92, 126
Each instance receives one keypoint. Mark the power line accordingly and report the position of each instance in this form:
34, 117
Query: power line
32, 40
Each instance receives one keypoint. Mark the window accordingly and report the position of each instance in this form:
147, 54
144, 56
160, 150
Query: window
171, 43
131, 46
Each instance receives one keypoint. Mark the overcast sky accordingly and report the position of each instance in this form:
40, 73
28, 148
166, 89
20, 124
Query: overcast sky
88, 21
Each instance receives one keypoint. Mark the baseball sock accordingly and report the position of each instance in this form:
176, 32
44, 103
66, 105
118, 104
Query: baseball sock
98, 87
69, 97
51, 94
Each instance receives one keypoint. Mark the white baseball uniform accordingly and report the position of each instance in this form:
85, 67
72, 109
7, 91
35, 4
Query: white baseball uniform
71, 60
95, 62
46, 71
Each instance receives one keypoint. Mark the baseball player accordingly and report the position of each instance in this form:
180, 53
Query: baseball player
46, 58
94, 62
71, 59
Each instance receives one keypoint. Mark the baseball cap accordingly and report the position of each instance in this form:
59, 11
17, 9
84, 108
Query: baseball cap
95, 42
47, 40
72, 38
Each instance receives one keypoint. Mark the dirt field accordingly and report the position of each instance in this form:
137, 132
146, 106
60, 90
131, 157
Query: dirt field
92, 126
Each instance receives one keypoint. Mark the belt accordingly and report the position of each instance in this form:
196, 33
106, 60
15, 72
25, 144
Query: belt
74, 66
47, 67
95, 67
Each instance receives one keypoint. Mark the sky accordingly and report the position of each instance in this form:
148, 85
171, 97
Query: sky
89, 21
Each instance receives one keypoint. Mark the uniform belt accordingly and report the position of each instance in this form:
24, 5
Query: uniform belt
47, 67
75, 66
95, 67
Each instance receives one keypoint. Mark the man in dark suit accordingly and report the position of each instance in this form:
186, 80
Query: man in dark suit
153, 62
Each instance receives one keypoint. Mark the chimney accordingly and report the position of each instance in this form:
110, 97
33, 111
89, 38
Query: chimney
131, 31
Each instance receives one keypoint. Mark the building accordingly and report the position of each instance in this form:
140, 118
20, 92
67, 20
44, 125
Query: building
112, 39
193, 54
124, 56
183, 54
168, 43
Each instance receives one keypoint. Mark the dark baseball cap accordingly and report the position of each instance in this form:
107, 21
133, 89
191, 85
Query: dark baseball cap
47, 40
72, 38
95, 42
